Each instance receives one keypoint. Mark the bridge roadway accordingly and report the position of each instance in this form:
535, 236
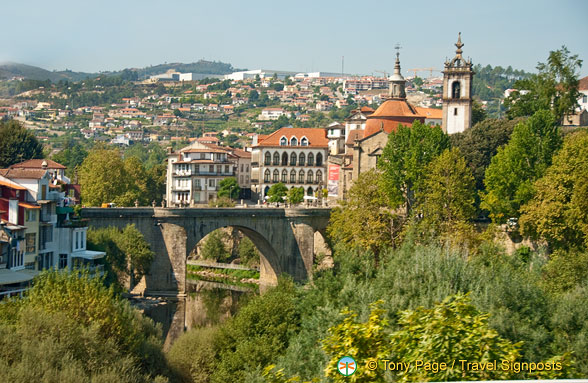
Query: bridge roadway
284, 237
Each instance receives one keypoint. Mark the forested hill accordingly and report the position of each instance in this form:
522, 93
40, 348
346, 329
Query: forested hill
490, 83
10, 70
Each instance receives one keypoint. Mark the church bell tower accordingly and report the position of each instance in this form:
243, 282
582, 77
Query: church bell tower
457, 92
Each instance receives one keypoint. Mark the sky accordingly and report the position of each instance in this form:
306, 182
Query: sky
301, 36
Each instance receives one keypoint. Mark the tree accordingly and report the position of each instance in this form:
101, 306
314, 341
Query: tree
448, 194
248, 252
366, 343
405, 158
365, 220
229, 188
554, 88
214, 247
103, 178
453, 330
480, 143
277, 192
17, 144
296, 195
72, 156
509, 178
138, 252
558, 213
478, 112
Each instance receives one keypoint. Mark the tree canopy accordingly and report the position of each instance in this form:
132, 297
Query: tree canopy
277, 192
17, 144
554, 88
229, 188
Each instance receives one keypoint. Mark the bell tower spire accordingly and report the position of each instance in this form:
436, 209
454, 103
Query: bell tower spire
397, 82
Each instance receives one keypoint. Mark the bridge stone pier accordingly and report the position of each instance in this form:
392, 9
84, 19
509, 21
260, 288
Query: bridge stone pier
284, 237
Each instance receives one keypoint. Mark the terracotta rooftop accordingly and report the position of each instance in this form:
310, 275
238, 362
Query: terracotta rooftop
317, 138
23, 173
583, 83
38, 164
390, 115
12, 185
430, 112
356, 134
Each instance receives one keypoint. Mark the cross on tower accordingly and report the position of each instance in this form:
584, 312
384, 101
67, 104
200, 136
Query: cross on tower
397, 47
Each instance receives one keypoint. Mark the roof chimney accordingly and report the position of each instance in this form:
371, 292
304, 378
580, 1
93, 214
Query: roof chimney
44, 164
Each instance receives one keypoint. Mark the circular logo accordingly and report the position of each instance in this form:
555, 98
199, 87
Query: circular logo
346, 366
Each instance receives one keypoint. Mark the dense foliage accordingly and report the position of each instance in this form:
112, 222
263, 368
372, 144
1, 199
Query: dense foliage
17, 144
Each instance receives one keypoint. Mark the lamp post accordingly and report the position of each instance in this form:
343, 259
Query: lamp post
231, 193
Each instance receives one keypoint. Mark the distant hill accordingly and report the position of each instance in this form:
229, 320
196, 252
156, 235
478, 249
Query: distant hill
10, 70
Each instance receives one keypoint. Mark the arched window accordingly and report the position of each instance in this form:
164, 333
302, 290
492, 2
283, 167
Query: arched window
301, 159
304, 141
284, 159
284, 176
276, 158
309, 192
268, 158
293, 159
319, 160
301, 177
276, 175
293, 141
310, 159
456, 89
266, 176
293, 176
319, 177
265, 191
283, 141
309, 176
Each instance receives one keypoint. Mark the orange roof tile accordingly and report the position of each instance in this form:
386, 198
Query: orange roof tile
23, 173
12, 185
28, 205
356, 134
583, 83
317, 138
430, 112
389, 115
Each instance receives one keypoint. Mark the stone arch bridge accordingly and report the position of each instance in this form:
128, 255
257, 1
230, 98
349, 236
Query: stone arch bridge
284, 237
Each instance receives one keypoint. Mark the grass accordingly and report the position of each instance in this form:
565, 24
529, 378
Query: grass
224, 276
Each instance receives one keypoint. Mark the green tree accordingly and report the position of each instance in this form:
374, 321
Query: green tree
454, 330
138, 252
296, 195
17, 144
405, 158
277, 192
367, 343
448, 195
480, 143
558, 213
509, 178
478, 112
366, 208
103, 178
193, 354
214, 247
554, 88
229, 188
247, 252
72, 156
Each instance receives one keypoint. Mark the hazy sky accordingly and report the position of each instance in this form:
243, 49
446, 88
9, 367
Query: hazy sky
288, 35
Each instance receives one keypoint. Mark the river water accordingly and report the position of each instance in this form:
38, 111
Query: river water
205, 304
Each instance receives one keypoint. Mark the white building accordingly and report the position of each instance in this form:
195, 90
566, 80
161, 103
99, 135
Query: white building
295, 157
272, 114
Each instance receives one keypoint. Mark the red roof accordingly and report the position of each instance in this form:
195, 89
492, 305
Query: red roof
317, 138
355, 134
583, 83
38, 164
391, 114
23, 173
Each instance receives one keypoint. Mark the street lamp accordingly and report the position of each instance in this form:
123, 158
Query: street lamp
231, 192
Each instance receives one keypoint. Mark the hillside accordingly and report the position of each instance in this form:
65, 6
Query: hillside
202, 66
9, 70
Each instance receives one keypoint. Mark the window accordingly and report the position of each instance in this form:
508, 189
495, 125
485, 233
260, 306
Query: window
83, 240
45, 261
293, 141
310, 159
62, 261
319, 160
284, 176
219, 168
247, 180
77, 240
247, 168
319, 176
241, 179
276, 158
197, 183
309, 176
293, 176
301, 159
301, 177
211, 168
31, 215
584, 99
455, 89
293, 159
241, 168
283, 141
16, 258
268, 158
304, 141
226, 168
31, 240
46, 235
276, 175
266, 175
455, 111
211, 183
284, 159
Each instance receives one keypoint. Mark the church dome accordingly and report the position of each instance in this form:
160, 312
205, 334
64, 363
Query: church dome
389, 115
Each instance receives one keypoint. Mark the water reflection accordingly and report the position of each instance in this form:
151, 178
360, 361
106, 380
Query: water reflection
206, 304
